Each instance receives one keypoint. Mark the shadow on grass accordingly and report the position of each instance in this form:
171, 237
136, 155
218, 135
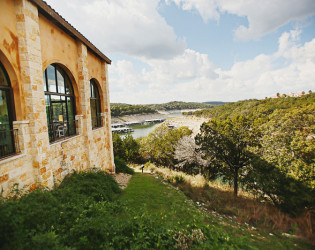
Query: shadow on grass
254, 212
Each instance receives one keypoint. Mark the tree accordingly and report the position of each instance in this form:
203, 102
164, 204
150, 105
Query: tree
131, 148
126, 148
226, 143
118, 146
159, 145
187, 155
288, 142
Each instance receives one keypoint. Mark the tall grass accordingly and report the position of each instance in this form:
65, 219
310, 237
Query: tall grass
218, 197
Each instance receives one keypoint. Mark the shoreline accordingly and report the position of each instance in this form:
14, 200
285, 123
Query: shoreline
161, 114
190, 121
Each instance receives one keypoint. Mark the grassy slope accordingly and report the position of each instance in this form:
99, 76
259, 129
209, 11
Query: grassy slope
174, 209
88, 211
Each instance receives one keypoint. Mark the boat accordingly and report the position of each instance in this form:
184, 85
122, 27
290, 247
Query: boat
120, 128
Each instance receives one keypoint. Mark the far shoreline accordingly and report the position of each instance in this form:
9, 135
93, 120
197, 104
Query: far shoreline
161, 114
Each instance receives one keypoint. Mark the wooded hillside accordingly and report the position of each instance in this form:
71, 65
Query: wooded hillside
120, 109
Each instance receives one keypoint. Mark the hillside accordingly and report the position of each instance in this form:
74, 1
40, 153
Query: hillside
121, 109
216, 103
181, 105
88, 211
258, 108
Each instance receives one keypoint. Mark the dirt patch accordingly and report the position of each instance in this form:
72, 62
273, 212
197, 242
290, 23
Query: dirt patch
122, 179
191, 122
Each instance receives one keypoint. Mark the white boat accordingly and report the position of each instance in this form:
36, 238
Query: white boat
121, 128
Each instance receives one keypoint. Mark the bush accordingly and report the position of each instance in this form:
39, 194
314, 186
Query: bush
46, 217
121, 166
126, 148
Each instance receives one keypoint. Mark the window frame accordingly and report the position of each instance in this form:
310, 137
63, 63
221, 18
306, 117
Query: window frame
96, 98
8, 90
69, 99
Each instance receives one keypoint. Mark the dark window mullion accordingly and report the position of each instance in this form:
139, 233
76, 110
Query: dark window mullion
68, 123
46, 78
5, 87
98, 112
57, 91
54, 93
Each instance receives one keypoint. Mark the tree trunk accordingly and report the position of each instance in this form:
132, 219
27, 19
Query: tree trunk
235, 182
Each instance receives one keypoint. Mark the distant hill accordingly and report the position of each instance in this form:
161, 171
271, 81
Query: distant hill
120, 109
176, 105
216, 103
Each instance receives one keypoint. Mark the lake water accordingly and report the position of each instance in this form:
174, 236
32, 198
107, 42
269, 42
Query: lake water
141, 132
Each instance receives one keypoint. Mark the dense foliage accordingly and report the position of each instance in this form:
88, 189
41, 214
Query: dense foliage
279, 142
181, 105
120, 109
258, 109
121, 166
225, 143
159, 145
266, 146
126, 147
52, 220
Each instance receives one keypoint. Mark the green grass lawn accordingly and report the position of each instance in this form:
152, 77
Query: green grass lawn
169, 205
89, 211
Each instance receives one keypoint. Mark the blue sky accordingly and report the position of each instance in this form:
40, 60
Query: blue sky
199, 50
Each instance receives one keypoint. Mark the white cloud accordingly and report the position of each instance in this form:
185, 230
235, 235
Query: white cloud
167, 79
263, 16
130, 27
207, 9
192, 77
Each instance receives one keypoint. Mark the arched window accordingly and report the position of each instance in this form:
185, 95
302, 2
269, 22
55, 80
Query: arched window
7, 146
60, 103
95, 102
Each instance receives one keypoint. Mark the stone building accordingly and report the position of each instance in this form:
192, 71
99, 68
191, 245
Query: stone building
54, 100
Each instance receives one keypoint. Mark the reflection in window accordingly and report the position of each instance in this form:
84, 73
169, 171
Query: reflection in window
60, 107
95, 103
7, 146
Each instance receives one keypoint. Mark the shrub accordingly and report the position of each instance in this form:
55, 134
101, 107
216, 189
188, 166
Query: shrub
121, 166
96, 185
46, 217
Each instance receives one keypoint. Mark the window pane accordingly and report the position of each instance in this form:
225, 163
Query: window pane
4, 111
97, 96
61, 83
50, 71
68, 86
49, 115
92, 90
3, 77
71, 115
6, 133
44, 81
56, 106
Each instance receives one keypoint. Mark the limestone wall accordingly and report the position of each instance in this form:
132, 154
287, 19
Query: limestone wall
29, 42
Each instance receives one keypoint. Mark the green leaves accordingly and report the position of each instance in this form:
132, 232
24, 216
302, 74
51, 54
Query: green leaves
126, 148
159, 145
226, 143
121, 166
